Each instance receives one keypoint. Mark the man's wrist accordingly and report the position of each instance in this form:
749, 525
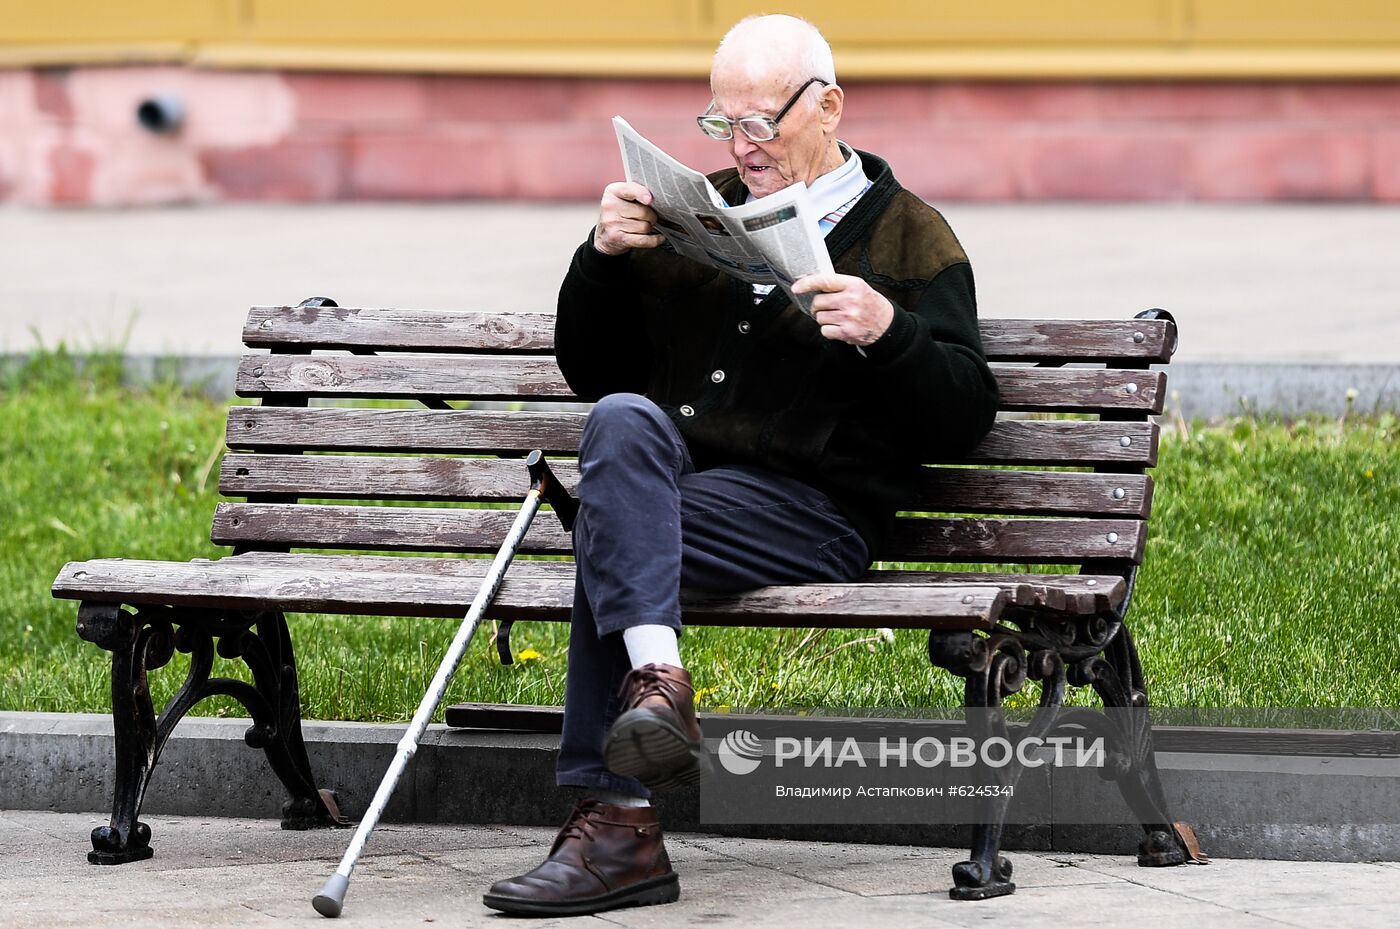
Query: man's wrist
597, 247
894, 340
597, 267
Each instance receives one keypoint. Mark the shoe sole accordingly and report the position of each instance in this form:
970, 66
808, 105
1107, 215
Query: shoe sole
654, 751
665, 888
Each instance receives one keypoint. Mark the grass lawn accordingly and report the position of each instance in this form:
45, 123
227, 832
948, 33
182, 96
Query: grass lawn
1272, 566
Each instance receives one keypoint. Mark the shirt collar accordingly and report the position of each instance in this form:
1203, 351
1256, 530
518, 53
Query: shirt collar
836, 187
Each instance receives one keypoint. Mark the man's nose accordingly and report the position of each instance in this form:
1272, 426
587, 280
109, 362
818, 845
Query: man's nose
741, 144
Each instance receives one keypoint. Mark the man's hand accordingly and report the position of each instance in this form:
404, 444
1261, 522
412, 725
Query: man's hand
624, 219
846, 307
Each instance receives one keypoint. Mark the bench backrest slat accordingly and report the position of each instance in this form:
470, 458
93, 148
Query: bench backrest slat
337, 429
427, 472
393, 477
505, 377
431, 529
1145, 340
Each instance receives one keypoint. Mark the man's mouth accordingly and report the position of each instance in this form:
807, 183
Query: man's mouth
757, 169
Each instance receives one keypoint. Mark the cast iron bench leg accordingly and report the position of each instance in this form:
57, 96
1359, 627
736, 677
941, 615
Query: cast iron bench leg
146, 641
992, 667
1119, 682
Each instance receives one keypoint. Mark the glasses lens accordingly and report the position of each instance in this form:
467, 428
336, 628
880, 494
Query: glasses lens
716, 127
758, 128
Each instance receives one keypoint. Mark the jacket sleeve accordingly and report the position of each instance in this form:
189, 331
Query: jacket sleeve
600, 338
930, 362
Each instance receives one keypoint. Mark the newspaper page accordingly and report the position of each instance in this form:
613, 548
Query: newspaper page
772, 240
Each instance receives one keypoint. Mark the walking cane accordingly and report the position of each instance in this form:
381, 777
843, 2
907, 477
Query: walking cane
543, 484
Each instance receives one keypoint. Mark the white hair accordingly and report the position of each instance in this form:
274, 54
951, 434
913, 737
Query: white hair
809, 53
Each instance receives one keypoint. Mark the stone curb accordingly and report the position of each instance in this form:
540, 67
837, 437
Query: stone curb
63, 763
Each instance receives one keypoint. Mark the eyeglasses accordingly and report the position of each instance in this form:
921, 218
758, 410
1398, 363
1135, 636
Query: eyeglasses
757, 128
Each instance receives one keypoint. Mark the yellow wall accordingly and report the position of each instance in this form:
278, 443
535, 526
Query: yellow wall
874, 38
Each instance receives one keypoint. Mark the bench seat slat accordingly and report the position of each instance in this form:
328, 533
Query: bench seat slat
1076, 593
1047, 442
385, 329
948, 490
499, 377
434, 529
234, 583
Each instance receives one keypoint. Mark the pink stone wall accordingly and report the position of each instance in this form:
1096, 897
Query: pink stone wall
70, 137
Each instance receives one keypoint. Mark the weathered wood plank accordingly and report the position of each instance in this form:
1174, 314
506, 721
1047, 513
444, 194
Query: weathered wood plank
383, 477
948, 490
397, 330
366, 430
482, 377
1081, 390
435, 529
1049, 442
1070, 593
1032, 493
1068, 442
1076, 593
1078, 340
500, 377
375, 527
389, 329
1032, 541
233, 583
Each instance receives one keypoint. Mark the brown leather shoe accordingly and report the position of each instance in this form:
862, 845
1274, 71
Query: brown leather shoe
605, 857
657, 737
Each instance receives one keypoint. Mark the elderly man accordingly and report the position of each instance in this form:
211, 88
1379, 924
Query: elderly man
738, 442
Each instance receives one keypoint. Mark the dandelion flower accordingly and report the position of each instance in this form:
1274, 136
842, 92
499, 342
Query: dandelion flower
528, 654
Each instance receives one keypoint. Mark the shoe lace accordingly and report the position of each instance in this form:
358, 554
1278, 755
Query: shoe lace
647, 682
582, 821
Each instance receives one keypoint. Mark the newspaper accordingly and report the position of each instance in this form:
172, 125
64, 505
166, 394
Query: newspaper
772, 240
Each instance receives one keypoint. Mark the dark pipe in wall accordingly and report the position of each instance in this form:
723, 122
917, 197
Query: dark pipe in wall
162, 114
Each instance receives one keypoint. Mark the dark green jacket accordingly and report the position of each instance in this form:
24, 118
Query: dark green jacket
655, 323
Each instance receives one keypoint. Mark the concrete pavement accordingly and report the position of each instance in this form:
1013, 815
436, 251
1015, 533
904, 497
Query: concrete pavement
238, 872
1279, 283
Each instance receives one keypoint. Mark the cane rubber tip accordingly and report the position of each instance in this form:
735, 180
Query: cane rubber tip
331, 899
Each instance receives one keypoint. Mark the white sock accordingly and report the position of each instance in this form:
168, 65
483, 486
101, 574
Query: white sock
617, 798
652, 644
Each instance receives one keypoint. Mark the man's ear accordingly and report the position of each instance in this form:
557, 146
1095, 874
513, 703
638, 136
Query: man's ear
833, 100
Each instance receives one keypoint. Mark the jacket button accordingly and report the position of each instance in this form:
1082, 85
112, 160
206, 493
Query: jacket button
687, 410
717, 377
744, 326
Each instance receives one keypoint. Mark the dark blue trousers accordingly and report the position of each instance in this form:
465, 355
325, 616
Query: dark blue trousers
648, 524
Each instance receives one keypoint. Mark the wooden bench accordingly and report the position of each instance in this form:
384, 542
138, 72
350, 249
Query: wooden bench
996, 630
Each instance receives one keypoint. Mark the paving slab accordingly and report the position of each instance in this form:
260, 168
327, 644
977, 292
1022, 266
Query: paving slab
1261, 886
1115, 903
1360, 916
238, 872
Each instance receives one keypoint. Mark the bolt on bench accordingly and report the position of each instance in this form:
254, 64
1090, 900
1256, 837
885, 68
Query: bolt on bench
996, 630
